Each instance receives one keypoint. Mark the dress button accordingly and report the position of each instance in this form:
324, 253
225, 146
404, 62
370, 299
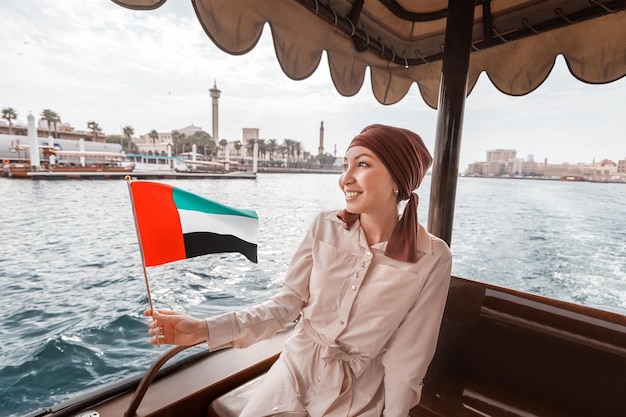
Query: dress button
319, 379
369, 253
274, 408
354, 288
341, 321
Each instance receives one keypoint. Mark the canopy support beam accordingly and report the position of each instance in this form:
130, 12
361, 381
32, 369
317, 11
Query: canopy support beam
452, 93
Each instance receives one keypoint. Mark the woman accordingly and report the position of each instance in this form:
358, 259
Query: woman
368, 287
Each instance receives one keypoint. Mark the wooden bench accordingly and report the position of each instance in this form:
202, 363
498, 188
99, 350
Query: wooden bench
503, 353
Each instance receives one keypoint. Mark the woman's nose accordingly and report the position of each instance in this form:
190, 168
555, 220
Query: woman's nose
346, 178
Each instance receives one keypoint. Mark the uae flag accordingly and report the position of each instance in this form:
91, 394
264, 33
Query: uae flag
174, 224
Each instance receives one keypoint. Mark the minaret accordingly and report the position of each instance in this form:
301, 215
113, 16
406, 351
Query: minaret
320, 150
215, 95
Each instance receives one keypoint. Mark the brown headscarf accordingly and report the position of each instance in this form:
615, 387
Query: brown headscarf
404, 154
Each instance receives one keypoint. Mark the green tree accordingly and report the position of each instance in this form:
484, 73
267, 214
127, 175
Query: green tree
250, 147
52, 118
326, 160
128, 132
9, 114
183, 141
298, 148
154, 135
307, 157
176, 140
262, 149
95, 129
282, 150
130, 147
272, 145
288, 143
223, 144
238, 147
205, 145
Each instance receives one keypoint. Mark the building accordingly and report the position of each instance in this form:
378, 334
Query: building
145, 145
501, 155
493, 168
64, 131
249, 133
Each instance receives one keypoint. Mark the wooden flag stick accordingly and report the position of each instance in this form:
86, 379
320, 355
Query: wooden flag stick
143, 262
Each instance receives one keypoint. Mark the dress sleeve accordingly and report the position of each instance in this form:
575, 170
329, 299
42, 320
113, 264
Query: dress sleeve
413, 345
252, 324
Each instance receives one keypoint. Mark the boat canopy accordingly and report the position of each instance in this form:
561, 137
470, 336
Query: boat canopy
203, 163
515, 42
440, 45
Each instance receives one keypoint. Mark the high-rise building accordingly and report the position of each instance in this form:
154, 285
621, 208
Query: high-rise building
250, 133
501, 155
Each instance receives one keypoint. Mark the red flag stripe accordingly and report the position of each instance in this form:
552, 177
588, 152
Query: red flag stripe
158, 223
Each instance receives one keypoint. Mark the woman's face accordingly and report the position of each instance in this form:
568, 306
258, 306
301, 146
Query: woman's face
366, 183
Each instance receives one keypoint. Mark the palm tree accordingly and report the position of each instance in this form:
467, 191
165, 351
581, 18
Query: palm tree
128, 132
223, 144
95, 129
289, 145
250, 147
272, 145
282, 150
52, 118
9, 114
238, 146
176, 140
183, 140
297, 147
262, 149
179, 140
154, 135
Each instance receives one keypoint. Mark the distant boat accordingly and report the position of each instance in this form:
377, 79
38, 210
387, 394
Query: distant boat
72, 162
572, 178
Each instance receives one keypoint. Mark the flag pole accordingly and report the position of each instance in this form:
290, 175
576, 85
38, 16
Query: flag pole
143, 261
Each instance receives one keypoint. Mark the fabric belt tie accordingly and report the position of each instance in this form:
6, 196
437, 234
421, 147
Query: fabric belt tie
355, 362
334, 398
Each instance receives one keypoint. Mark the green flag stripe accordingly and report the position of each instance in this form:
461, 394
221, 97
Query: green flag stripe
188, 201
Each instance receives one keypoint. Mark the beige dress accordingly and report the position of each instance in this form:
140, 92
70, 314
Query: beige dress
367, 331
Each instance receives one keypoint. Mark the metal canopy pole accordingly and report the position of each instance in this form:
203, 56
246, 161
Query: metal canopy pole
452, 93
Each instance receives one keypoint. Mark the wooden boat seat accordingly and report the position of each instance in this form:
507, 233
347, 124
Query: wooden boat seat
231, 404
502, 353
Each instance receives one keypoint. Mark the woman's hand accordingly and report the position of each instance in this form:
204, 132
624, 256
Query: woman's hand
170, 327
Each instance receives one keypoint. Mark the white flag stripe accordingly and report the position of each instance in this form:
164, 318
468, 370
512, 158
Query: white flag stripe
245, 228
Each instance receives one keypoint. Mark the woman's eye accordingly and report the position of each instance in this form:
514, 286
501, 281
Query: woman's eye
363, 164
345, 166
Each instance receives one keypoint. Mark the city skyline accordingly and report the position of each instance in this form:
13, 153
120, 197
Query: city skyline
94, 60
41, 125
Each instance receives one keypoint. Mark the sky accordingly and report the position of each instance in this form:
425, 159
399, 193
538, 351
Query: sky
94, 60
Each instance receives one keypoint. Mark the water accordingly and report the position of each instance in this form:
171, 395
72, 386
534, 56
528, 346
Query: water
72, 283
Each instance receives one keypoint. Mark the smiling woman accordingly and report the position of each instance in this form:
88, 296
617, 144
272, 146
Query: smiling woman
367, 287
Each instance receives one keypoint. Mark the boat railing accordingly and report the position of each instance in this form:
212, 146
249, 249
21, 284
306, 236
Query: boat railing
149, 376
